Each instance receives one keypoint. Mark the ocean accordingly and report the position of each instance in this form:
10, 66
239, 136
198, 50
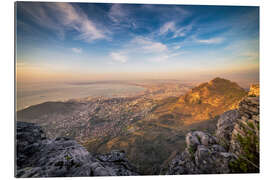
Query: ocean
29, 94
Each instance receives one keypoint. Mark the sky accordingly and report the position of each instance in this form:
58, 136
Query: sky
95, 41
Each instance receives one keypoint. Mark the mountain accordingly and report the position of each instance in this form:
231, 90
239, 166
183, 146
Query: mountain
233, 149
208, 100
150, 129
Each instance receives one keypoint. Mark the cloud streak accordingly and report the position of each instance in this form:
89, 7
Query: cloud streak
118, 57
149, 46
77, 50
68, 18
211, 40
116, 13
121, 17
177, 31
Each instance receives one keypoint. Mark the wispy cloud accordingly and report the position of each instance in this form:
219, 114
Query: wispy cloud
211, 40
177, 31
150, 50
68, 18
118, 57
78, 20
168, 11
165, 56
121, 17
116, 13
160, 58
77, 50
148, 45
169, 26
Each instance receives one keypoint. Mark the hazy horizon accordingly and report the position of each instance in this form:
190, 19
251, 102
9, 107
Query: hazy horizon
64, 42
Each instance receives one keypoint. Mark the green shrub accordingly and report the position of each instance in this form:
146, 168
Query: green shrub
248, 160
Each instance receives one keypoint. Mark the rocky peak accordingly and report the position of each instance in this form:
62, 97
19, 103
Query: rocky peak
217, 88
210, 99
38, 156
218, 80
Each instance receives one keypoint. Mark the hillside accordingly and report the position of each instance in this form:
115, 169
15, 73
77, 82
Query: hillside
152, 141
206, 101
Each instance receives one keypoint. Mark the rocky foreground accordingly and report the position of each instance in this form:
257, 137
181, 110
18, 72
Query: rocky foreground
233, 149
38, 156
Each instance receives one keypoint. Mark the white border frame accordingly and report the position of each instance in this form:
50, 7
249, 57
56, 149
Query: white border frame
7, 85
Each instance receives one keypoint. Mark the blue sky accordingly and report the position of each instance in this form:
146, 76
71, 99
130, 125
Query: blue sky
117, 41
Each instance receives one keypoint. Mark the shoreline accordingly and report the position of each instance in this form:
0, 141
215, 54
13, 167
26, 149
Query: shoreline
94, 95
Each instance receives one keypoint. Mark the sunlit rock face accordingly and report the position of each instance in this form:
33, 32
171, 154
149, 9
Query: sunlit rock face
254, 90
210, 99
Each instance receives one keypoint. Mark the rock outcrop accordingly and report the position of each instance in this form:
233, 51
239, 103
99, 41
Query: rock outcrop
38, 156
233, 149
245, 137
254, 90
225, 126
203, 155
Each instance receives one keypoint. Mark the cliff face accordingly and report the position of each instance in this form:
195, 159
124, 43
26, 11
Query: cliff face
233, 149
38, 156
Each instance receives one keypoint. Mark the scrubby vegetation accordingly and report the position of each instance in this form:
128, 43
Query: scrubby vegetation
248, 160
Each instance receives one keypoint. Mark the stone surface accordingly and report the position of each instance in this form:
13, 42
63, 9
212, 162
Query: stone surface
202, 156
248, 121
38, 156
225, 126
